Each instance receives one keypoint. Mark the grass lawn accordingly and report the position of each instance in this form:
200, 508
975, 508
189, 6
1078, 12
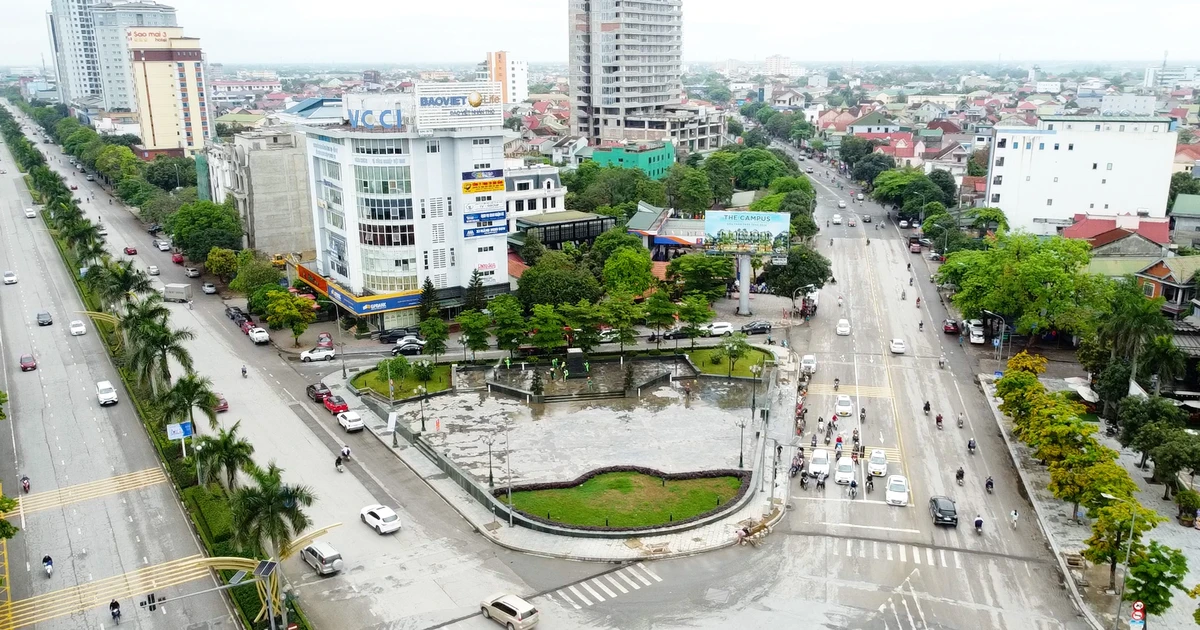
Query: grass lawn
1090, 417
702, 357
628, 499
377, 381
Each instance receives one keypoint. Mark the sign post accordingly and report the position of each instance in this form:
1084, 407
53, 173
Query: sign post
181, 431
1137, 616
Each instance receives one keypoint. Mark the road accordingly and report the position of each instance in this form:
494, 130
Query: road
100, 504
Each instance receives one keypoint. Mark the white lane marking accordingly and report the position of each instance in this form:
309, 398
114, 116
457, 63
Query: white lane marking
564, 596
903, 554
583, 598
942, 553
917, 603
957, 560
888, 549
849, 547
649, 572
637, 575
916, 555
616, 584
862, 549
878, 527
929, 558
628, 581
875, 550
600, 585
591, 590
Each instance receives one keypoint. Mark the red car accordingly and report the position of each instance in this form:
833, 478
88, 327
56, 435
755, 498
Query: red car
29, 363
222, 404
177, 258
130, 250
324, 340
950, 327
336, 404
247, 325
317, 392
74, 187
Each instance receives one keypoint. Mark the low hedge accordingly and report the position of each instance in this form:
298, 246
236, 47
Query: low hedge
212, 513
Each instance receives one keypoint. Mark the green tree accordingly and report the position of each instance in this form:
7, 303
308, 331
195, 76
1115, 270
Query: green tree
556, 279
135, 191
510, 323
1153, 574
154, 346
513, 123
169, 173
189, 393
1084, 477
944, 180
532, 250
735, 128
423, 371
805, 266
756, 168
628, 269
817, 145
695, 192
198, 227
8, 505
221, 262
608, 243
854, 148
474, 327
977, 166
660, 313
1182, 183
770, 203
286, 310
868, 167
1132, 322
621, 313
1165, 359
694, 312
547, 328
475, 298
268, 514
718, 167
224, 452
1136, 412
1171, 458
583, 318
427, 307
735, 348
436, 333
698, 273
889, 186
1110, 534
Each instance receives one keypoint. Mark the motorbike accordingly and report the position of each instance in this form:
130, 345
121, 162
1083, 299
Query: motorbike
862, 414
903, 295
979, 526
804, 482
918, 302
870, 484
828, 438
25, 484
960, 420
821, 481
942, 362
836, 383
939, 424
971, 447
853, 491
814, 440
49, 566
989, 484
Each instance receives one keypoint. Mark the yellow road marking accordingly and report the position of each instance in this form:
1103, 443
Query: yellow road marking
39, 501
6, 598
69, 601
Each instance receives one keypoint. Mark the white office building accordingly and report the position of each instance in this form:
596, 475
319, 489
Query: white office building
775, 65
532, 190
1043, 176
76, 59
112, 19
1127, 104
410, 186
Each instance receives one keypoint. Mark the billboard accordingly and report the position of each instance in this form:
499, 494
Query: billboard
151, 37
485, 231
374, 111
729, 232
482, 186
453, 105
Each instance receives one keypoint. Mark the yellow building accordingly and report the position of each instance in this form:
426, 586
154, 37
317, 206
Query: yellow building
168, 77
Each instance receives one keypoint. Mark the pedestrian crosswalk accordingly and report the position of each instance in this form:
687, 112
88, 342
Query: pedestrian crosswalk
611, 585
866, 391
917, 555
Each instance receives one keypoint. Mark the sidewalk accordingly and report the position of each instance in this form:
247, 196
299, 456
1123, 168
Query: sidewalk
1066, 536
710, 537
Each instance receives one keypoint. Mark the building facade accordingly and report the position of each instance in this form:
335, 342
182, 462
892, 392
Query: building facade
652, 158
410, 186
266, 173
169, 84
73, 43
776, 65
624, 61
112, 19
531, 190
512, 75
1042, 176
695, 128
1127, 104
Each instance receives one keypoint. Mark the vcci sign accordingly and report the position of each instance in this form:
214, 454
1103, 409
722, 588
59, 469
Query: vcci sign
370, 118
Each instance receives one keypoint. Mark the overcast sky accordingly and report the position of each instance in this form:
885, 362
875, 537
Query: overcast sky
426, 31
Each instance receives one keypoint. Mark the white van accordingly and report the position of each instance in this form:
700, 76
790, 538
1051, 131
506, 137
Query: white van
106, 393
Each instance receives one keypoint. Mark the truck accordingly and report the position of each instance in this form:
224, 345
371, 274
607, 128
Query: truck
178, 293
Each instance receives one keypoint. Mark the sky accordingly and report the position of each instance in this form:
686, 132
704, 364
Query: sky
428, 32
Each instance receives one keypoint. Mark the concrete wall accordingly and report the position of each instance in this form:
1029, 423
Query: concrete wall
280, 216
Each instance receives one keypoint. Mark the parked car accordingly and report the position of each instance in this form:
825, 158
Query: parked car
191, 272
808, 364
222, 404
720, 329
336, 404
164, 246
351, 421
324, 340
757, 327
247, 325
860, 197
29, 213
977, 336
510, 611
950, 327
675, 333
154, 228
903, 223
317, 392
317, 354
28, 362
177, 258
392, 335
259, 336
231, 311
208, 288
380, 518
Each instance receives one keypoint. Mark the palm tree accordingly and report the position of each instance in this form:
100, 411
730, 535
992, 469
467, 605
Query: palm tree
189, 393
225, 451
1168, 361
268, 514
1134, 321
152, 347
91, 254
119, 282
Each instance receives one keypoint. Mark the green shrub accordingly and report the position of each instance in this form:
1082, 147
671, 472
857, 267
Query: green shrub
361, 327
183, 474
717, 358
655, 352
213, 513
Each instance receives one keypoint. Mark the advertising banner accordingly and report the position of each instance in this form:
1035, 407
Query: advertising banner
483, 186
484, 231
453, 105
488, 174
485, 216
484, 206
729, 232
380, 111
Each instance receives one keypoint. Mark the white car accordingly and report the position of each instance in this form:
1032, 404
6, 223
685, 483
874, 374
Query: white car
191, 272
152, 270
877, 464
720, 329
973, 324
844, 407
29, 213
77, 328
259, 336
164, 246
408, 340
903, 223
106, 394
208, 288
845, 471
843, 327
819, 464
837, 219
10, 277
510, 611
317, 354
896, 491
860, 196
808, 364
897, 346
977, 336
380, 518
351, 421
101, 230
841, 204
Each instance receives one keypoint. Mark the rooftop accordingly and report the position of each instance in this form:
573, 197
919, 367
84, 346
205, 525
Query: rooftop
1186, 206
1158, 119
566, 216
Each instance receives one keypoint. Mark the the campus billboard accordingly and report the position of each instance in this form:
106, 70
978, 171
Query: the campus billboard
762, 233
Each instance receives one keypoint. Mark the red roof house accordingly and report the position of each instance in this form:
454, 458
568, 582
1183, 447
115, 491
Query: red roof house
1088, 227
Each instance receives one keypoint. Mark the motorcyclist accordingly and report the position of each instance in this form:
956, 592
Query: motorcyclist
920, 325
839, 440
839, 300
942, 361
918, 302
836, 382
903, 295
114, 607
910, 281
868, 241
989, 484
862, 415
337, 462
910, 266
927, 407
853, 487
960, 419
971, 445
345, 452
47, 561
978, 522
831, 242
958, 476
854, 437
939, 421
243, 371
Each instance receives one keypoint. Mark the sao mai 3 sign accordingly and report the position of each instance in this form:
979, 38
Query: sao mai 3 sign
370, 119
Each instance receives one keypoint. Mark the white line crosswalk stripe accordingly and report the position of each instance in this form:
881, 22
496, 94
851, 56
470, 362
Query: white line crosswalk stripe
616, 584
942, 553
583, 598
929, 557
647, 571
600, 585
916, 555
637, 575
628, 581
903, 554
606, 587
569, 600
591, 590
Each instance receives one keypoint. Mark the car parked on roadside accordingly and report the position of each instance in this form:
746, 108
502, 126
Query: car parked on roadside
392, 335
208, 288
177, 258
231, 311
222, 404
317, 354
324, 340
351, 421
950, 327
336, 404
317, 392
719, 329
757, 327
191, 272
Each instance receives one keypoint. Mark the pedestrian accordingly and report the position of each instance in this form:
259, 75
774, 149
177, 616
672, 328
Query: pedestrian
554, 363
587, 367
589, 383
566, 372
960, 340
507, 363
189, 305
1013, 516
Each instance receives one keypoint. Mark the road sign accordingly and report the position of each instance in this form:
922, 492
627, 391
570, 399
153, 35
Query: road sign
1139, 606
179, 431
1137, 625
998, 374
1138, 615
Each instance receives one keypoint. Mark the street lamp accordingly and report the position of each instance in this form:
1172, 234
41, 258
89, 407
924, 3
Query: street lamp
755, 370
489, 440
1002, 331
742, 443
420, 391
799, 289
1128, 548
196, 448
462, 341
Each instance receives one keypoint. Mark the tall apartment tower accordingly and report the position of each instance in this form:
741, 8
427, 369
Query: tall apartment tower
512, 75
776, 65
76, 59
111, 20
624, 60
171, 94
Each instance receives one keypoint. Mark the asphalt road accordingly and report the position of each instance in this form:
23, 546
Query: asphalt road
100, 504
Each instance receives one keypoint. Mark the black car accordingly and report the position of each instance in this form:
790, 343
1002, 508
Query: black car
44, 319
408, 349
866, 218
392, 335
675, 333
943, 511
318, 392
230, 311
154, 228
757, 327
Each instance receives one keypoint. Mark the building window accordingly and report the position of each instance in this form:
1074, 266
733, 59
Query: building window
996, 198
1121, 128
451, 256
1002, 144
336, 220
380, 146
438, 232
433, 146
373, 209
479, 141
1000, 161
1028, 145
1094, 165
997, 180
1109, 166
1050, 126
1049, 202
520, 205
387, 235
522, 185
383, 180
554, 202
479, 166
1041, 146
426, 254
1055, 146
489, 248
1148, 289
1071, 147
1104, 181
1056, 180
1097, 128
450, 206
